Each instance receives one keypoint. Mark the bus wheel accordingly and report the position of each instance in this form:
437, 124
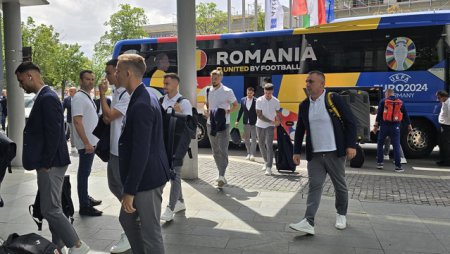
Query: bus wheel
202, 135
420, 141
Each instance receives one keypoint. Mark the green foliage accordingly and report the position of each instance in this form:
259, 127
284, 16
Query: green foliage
60, 62
127, 23
209, 19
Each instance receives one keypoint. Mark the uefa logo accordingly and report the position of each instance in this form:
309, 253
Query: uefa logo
400, 53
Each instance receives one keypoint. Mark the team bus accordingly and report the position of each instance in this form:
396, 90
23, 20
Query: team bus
406, 52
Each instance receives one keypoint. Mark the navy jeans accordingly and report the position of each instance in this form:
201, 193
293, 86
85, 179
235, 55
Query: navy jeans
84, 170
392, 131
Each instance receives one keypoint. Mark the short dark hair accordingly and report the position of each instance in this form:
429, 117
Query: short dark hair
318, 73
250, 88
442, 93
267, 80
172, 75
112, 62
268, 87
85, 71
27, 66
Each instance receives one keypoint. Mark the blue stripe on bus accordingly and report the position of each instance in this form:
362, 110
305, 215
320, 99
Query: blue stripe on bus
257, 34
414, 20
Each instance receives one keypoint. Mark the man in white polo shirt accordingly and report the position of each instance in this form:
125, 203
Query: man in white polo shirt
219, 99
114, 116
85, 119
268, 112
177, 102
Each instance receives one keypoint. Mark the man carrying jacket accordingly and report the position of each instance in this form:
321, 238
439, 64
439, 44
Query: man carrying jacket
329, 141
45, 150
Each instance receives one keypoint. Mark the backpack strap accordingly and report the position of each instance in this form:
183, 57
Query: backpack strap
120, 96
161, 100
207, 97
330, 105
180, 99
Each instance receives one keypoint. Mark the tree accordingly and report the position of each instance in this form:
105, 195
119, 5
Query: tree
209, 19
59, 62
127, 23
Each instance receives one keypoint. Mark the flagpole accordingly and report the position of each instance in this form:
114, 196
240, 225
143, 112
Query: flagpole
229, 16
290, 13
243, 15
256, 15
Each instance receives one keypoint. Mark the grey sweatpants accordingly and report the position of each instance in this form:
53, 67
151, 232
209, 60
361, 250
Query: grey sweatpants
175, 188
318, 168
50, 190
219, 146
265, 140
144, 235
114, 181
250, 133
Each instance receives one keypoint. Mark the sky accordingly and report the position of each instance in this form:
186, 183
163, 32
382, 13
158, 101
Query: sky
82, 21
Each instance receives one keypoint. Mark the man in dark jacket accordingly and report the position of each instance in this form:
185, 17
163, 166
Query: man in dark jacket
329, 141
67, 104
45, 150
390, 128
248, 108
143, 163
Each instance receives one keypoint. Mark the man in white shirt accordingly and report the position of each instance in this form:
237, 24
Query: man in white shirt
113, 116
85, 119
329, 141
268, 112
444, 120
220, 97
174, 100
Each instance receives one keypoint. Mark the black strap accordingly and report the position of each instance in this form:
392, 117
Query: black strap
93, 103
120, 96
180, 99
207, 97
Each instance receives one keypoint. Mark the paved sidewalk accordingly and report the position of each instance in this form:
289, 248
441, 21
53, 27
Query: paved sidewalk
252, 214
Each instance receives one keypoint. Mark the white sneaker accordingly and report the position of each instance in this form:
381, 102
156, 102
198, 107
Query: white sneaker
221, 181
252, 158
264, 168
341, 221
83, 249
248, 157
403, 160
179, 206
303, 226
122, 245
167, 215
268, 171
386, 157
63, 250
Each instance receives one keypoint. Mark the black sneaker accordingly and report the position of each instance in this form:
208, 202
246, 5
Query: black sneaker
379, 165
90, 211
1, 202
399, 170
94, 202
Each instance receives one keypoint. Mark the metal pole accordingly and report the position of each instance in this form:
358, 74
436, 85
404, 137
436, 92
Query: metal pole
290, 13
187, 72
256, 15
13, 57
229, 16
243, 15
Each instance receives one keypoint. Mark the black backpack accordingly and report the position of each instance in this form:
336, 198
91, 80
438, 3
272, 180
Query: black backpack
29, 244
66, 200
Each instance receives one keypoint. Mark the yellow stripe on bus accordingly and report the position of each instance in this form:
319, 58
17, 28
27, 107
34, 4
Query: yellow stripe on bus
292, 88
355, 25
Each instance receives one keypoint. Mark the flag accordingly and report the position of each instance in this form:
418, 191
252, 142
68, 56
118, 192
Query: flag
329, 8
299, 8
274, 15
317, 11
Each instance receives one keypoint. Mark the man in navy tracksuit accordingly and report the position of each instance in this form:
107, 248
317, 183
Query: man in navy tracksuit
390, 128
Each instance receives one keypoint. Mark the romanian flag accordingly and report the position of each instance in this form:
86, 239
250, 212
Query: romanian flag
314, 12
